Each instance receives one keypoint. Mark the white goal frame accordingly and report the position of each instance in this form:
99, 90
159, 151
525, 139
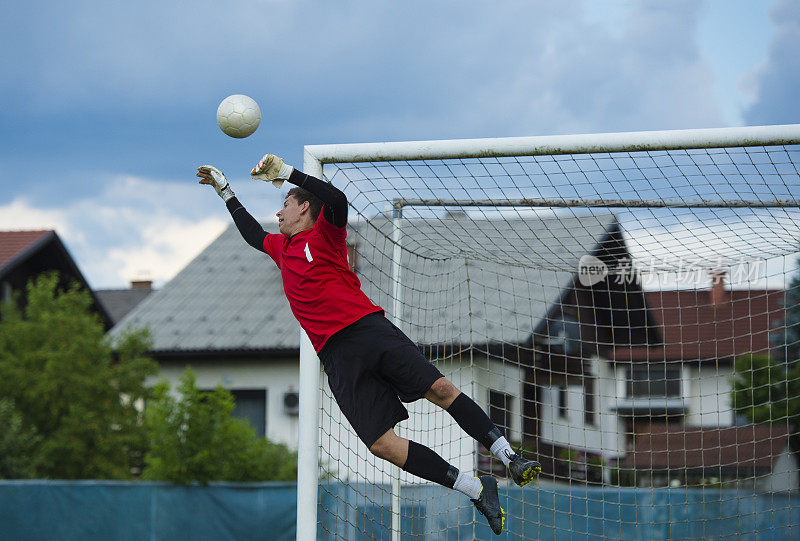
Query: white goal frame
315, 156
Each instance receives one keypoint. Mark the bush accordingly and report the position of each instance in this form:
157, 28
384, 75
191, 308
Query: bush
194, 438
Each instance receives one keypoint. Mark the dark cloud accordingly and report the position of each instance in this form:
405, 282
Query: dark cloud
777, 83
133, 88
95, 91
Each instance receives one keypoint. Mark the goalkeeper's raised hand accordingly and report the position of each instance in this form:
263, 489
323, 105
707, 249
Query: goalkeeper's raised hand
272, 169
211, 175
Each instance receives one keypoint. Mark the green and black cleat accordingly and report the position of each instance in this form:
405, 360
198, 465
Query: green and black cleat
488, 503
523, 470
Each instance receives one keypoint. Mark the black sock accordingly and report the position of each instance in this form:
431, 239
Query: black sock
474, 420
424, 462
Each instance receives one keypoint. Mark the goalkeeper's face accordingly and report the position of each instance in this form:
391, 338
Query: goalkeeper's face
293, 217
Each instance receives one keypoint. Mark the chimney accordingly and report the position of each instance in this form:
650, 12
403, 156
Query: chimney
142, 284
718, 293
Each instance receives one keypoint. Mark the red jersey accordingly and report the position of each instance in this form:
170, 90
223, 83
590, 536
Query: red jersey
324, 294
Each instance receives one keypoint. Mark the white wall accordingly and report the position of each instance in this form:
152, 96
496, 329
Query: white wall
707, 390
605, 436
784, 476
504, 377
276, 376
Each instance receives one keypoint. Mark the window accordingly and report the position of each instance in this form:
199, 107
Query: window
562, 401
251, 404
658, 380
500, 410
588, 401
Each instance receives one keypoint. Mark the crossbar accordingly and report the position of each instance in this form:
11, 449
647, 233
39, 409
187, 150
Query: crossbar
787, 134
605, 203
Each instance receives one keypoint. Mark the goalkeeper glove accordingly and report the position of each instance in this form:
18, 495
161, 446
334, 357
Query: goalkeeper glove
211, 175
272, 169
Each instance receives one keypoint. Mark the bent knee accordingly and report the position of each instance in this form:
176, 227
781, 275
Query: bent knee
384, 445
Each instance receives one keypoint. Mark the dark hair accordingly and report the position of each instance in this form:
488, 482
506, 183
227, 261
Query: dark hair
301, 196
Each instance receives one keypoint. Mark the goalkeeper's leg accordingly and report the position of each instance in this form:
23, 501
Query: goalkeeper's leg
423, 462
477, 424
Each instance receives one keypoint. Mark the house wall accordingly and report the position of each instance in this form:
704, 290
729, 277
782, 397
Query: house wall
605, 436
275, 376
708, 392
785, 475
504, 377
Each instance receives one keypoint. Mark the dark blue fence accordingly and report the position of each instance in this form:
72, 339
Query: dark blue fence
89, 510
361, 511
110, 510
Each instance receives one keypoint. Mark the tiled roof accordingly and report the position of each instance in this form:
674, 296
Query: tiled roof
666, 446
505, 273
14, 243
118, 302
24, 254
695, 328
230, 297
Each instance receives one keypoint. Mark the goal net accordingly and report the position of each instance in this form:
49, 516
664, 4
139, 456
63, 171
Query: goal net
625, 307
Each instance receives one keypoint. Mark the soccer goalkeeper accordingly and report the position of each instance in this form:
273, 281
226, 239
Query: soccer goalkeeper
372, 367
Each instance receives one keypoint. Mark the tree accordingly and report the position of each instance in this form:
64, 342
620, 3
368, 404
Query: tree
194, 438
60, 370
766, 391
17, 443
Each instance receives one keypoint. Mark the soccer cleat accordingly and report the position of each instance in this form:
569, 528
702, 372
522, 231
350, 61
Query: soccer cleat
488, 503
523, 470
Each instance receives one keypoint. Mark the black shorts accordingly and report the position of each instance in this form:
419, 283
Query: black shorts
372, 366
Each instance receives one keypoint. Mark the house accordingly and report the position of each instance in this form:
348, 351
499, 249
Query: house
470, 293
570, 384
680, 385
686, 384
26, 254
686, 378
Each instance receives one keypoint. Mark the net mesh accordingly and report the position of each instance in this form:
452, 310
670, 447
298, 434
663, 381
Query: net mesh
629, 319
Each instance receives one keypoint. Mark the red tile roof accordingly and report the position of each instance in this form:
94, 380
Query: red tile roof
13, 243
667, 446
694, 328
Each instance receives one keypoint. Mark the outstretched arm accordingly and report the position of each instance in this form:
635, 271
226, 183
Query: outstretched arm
272, 169
248, 226
251, 230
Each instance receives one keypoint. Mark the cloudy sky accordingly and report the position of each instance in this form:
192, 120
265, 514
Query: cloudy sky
110, 106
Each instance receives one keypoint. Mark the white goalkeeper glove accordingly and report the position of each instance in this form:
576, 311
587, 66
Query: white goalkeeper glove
211, 175
272, 169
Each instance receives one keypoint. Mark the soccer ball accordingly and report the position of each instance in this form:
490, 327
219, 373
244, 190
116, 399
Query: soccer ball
238, 116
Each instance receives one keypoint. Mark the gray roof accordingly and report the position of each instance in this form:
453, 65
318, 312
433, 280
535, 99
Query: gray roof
506, 273
230, 297
118, 302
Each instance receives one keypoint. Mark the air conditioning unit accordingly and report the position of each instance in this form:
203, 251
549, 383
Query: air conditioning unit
291, 402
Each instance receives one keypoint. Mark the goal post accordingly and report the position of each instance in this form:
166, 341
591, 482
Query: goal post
435, 219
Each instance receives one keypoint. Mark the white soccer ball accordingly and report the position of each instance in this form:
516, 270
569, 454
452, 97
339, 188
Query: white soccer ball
238, 115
